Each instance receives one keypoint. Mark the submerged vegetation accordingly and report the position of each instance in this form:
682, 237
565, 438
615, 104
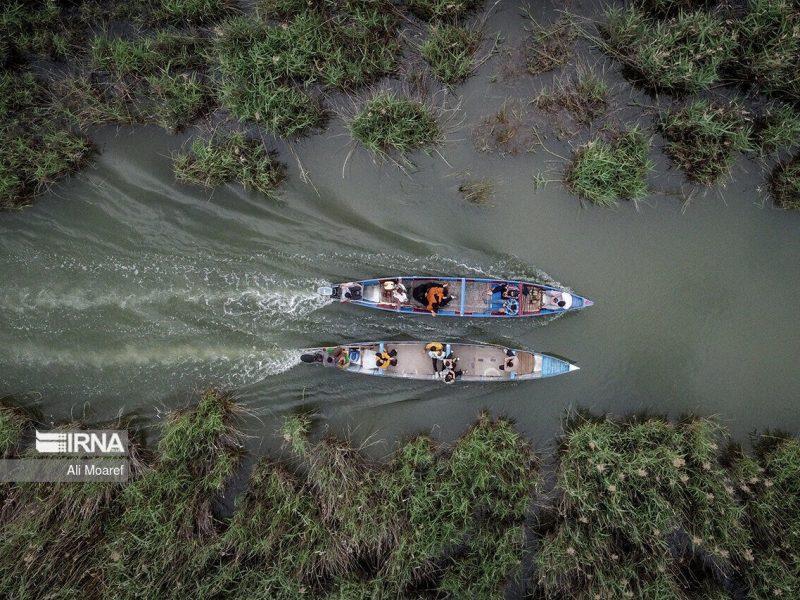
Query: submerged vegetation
606, 170
509, 131
639, 508
227, 158
702, 138
584, 95
550, 47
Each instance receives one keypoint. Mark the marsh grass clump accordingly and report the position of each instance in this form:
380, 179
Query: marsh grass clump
583, 95
160, 78
768, 486
478, 191
628, 491
270, 70
37, 148
85, 101
195, 12
439, 10
450, 51
606, 170
684, 53
143, 56
180, 99
509, 131
770, 47
391, 123
228, 158
550, 46
13, 423
166, 528
702, 138
45, 524
39, 28
784, 184
777, 129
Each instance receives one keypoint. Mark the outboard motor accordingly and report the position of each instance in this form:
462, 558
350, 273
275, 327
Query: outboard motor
311, 358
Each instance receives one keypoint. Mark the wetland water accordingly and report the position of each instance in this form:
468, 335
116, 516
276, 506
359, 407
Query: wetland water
123, 290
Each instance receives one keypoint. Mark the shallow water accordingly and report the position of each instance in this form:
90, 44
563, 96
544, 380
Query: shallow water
122, 290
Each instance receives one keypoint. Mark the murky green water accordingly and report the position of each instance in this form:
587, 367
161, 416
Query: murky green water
122, 290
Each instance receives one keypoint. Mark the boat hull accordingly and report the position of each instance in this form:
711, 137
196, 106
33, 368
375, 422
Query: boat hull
477, 362
471, 297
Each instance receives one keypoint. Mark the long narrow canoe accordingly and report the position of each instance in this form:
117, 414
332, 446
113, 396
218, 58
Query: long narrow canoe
470, 296
477, 362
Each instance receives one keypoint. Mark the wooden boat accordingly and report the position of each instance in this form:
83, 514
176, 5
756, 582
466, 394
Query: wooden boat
433, 360
468, 296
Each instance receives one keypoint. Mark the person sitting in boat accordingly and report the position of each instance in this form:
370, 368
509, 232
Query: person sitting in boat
342, 357
353, 291
397, 290
451, 374
432, 295
509, 362
436, 350
556, 300
385, 359
504, 291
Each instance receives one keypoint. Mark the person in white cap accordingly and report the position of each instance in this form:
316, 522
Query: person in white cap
398, 290
554, 300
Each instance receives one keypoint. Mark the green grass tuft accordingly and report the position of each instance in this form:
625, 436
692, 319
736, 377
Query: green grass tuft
389, 123
703, 136
450, 51
784, 184
37, 150
180, 99
604, 171
685, 53
770, 47
436, 10
777, 129
195, 12
234, 157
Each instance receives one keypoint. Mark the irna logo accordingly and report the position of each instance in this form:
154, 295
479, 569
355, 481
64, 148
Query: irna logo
82, 442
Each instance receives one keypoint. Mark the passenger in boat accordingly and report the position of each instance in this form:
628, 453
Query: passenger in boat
353, 291
555, 300
386, 359
451, 375
398, 291
509, 362
342, 357
436, 350
432, 296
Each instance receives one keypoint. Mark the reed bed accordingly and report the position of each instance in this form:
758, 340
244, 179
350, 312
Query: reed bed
268, 68
642, 507
636, 502
684, 53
